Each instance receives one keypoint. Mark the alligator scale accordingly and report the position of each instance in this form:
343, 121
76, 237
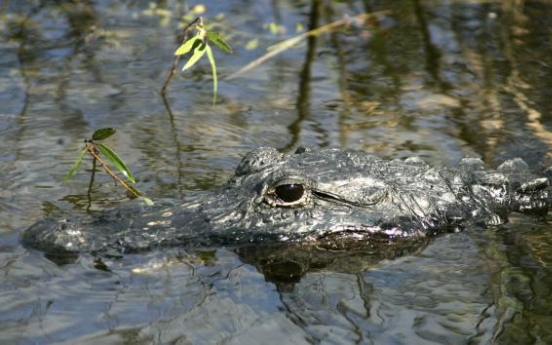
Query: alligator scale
328, 196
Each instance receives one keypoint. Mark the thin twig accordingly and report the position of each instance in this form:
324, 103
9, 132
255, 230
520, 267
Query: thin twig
285, 45
177, 57
89, 194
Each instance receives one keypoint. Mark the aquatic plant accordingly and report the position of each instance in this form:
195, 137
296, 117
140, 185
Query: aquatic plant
95, 149
196, 47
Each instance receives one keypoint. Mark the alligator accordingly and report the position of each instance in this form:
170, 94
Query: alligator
333, 198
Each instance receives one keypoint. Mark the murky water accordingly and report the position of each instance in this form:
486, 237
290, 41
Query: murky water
438, 79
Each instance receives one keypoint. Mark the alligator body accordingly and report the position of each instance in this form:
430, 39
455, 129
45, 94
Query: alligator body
329, 196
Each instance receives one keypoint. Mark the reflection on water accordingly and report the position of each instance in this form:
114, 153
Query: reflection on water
438, 79
523, 283
453, 291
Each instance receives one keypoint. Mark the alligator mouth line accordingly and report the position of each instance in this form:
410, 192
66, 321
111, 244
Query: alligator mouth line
371, 238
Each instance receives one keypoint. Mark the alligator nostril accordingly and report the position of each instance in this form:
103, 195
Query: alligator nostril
290, 192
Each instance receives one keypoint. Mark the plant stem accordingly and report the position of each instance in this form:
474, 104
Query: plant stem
92, 149
177, 57
89, 194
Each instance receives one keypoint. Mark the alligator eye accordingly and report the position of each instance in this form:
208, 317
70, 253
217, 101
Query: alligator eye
290, 192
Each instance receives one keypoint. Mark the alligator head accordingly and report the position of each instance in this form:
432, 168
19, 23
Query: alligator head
331, 197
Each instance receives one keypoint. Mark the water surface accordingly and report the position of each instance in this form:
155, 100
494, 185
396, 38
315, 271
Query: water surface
439, 79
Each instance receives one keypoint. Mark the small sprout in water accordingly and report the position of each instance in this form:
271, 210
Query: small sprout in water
95, 149
198, 45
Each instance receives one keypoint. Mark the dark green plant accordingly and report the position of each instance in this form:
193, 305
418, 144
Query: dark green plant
94, 148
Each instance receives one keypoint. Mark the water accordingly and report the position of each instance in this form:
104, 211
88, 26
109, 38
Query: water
442, 80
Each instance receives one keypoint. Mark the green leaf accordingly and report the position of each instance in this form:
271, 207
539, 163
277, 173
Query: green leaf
116, 161
148, 201
103, 133
221, 43
75, 165
276, 29
214, 70
252, 44
196, 55
189, 45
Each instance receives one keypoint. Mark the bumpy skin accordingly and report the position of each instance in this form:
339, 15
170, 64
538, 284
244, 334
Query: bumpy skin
329, 197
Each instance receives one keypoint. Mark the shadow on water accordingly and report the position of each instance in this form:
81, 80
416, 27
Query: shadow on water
286, 264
